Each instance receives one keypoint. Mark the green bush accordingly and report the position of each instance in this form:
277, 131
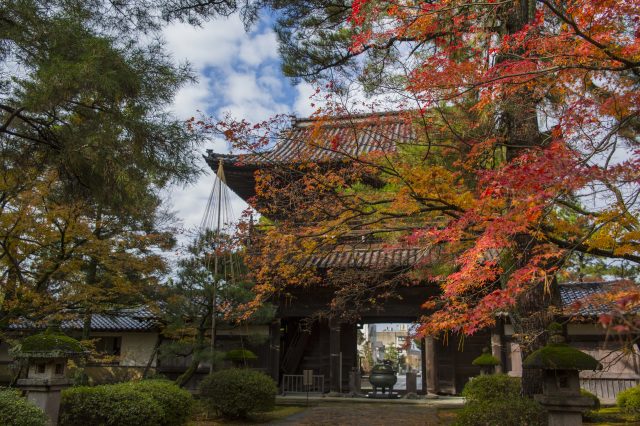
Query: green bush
235, 393
591, 414
621, 400
176, 402
491, 388
596, 407
495, 400
17, 411
148, 402
108, 405
629, 401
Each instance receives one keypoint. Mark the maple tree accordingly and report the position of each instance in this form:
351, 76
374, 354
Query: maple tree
524, 150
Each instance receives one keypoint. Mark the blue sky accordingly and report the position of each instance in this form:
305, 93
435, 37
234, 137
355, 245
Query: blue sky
238, 73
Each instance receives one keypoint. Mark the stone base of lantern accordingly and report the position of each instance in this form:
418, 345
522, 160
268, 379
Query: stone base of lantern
565, 410
45, 394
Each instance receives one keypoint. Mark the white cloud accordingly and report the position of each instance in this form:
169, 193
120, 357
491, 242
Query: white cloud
215, 44
238, 73
191, 99
259, 49
302, 104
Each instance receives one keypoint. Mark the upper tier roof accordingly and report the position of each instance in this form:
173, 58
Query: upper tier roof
315, 140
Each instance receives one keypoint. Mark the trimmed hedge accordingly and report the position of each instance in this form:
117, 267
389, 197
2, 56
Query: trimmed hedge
149, 402
17, 411
109, 405
235, 393
175, 401
495, 400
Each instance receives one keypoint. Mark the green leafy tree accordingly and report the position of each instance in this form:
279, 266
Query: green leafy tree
582, 267
87, 146
391, 352
210, 287
90, 105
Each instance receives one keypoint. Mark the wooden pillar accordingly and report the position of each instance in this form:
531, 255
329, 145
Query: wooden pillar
423, 363
497, 343
334, 357
274, 351
431, 368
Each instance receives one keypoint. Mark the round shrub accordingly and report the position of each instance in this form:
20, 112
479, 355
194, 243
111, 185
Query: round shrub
176, 402
235, 393
489, 388
496, 400
621, 400
109, 405
629, 401
17, 411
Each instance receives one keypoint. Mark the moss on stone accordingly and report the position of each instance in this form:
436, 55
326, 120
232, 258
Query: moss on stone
555, 327
486, 359
50, 343
560, 356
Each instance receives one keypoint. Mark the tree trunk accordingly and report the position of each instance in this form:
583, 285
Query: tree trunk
193, 367
531, 316
145, 373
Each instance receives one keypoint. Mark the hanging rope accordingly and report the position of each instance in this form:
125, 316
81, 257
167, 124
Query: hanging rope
215, 232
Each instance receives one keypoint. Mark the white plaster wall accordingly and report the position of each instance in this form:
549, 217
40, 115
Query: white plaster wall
585, 329
136, 349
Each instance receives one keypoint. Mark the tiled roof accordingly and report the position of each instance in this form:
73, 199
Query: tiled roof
313, 140
122, 320
310, 140
369, 258
572, 292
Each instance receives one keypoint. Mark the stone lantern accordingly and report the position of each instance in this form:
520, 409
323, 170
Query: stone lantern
561, 364
47, 355
240, 357
486, 362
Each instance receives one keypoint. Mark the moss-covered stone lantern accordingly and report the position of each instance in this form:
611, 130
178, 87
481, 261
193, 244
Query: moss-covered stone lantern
240, 357
47, 355
561, 387
486, 362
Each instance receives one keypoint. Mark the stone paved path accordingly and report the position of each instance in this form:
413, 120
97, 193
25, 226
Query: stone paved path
365, 415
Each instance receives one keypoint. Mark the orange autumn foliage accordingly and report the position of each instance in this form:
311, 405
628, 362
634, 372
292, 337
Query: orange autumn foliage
524, 148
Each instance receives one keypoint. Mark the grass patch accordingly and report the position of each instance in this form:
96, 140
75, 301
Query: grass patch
447, 416
200, 417
612, 416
